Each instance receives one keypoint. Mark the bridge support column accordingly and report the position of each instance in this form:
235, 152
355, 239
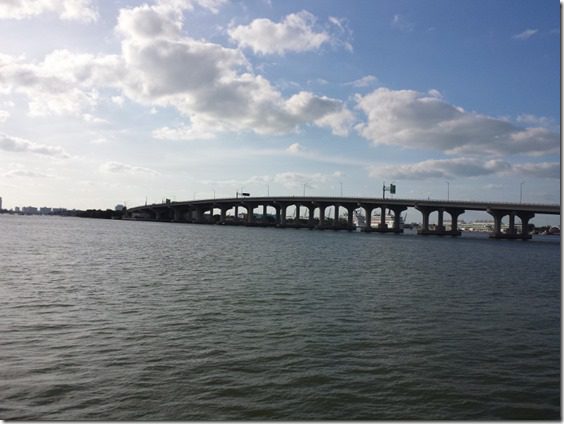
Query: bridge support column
283, 216
236, 217
512, 230
250, 214
440, 223
223, 216
397, 219
264, 213
311, 217
336, 216
350, 212
525, 217
454, 214
178, 214
382, 226
321, 216
368, 213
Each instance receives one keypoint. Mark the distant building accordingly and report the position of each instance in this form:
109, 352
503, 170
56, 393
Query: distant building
45, 210
17, 209
119, 208
30, 210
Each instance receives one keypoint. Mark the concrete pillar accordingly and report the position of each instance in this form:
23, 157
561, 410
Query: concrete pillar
336, 216
177, 214
264, 213
297, 213
383, 225
311, 218
199, 215
368, 211
425, 220
497, 216
223, 216
283, 215
277, 215
350, 212
512, 223
321, 215
397, 219
250, 214
525, 217
236, 212
454, 214
440, 223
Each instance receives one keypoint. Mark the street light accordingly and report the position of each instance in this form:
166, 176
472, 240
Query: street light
304, 188
341, 188
521, 192
448, 190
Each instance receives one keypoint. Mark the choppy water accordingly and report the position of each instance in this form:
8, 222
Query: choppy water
119, 320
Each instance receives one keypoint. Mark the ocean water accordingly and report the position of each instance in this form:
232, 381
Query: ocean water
121, 320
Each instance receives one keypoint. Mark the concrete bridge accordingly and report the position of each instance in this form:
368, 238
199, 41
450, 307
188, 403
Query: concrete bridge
256, 213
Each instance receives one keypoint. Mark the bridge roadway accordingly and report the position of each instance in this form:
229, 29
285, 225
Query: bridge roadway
201, 211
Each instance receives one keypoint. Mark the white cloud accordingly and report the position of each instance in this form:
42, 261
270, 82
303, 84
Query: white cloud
298, 179
525, 35
80, 10
417, 120
363, 82
19, 145
295, 33
463, 167
25, 173
539, 170
4, 115
123, 168
63, 83
294, 148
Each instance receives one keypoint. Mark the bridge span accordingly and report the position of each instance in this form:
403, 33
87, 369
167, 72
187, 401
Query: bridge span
202, 212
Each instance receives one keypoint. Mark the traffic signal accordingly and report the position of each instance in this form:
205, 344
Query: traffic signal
393, 188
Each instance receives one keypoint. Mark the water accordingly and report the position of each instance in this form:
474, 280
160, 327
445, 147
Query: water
114, 320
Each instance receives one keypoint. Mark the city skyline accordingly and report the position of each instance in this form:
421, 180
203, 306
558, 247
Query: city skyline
105, 103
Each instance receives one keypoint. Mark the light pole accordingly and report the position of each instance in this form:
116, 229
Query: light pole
341, 188
214, 195
304, 188
268, 190
521, 192
448, 190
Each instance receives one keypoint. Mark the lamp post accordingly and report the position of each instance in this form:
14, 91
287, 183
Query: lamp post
521, 192
341, 188
304, 188
268, 190
448, 190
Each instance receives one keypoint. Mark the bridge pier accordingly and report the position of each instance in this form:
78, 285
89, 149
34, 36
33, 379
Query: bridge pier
368, 214
511, 233
311, 217
440, 229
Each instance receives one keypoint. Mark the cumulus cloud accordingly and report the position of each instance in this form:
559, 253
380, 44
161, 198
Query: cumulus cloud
20, 145
211, 85
79, 10
525, 35
463, 167
123, 168
424, 120
295, 33
4, 115
63, 83
295, 148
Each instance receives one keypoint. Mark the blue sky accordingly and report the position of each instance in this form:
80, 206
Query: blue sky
110, 102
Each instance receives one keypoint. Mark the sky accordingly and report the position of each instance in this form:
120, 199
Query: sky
105, 103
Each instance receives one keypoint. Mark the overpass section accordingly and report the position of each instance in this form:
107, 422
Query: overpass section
202, 212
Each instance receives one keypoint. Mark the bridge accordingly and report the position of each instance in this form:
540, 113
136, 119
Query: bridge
357, 209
